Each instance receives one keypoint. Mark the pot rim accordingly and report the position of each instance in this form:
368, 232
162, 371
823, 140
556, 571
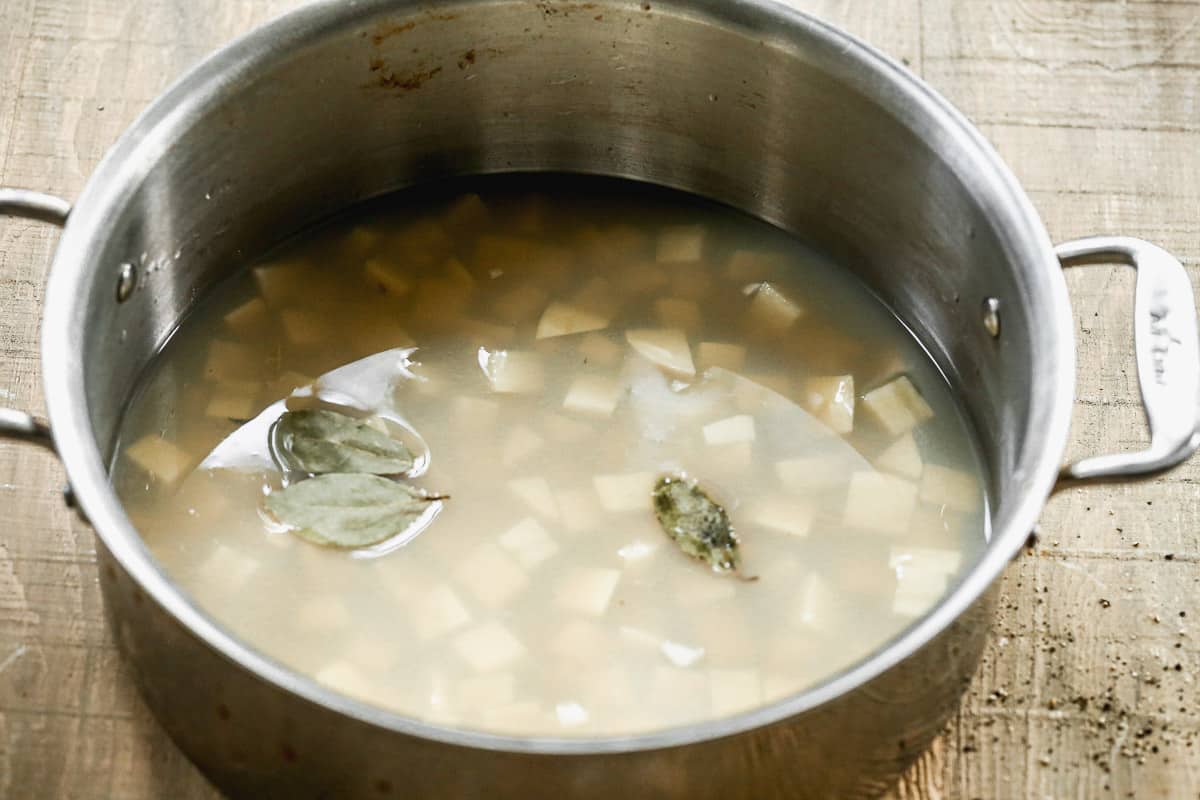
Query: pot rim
152, 134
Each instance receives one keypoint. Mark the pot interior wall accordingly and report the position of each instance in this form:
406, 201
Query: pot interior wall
711, 98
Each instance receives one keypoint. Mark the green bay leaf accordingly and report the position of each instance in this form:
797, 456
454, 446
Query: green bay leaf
320, 441
349, 510
698, 524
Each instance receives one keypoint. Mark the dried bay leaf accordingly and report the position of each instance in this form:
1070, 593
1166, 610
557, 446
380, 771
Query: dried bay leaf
350, 510
698, 524
319, 441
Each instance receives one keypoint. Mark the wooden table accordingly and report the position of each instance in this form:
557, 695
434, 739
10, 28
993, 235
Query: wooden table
1088, 689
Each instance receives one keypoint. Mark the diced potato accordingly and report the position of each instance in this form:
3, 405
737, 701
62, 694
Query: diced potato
611, 245
689, 283
160, 458
236, 401
721, 354
582, 642
831, 400
227, 568
466, 213
641, 278
674, 312
564, 430
680, 244
580, 511
818, 604
283, 283
680, 654
528, 542
586, 590
672, 687
387, 277
918, 590
902, 457
699, 587
231, 361
437, 612
422, 244
250, 317
925, 559
729, 459
343, 676
485, 691
734, 690
666, 347
599, 351
536, 494
521, 443
520, 304
457, 273
304, 327
752, 265
322, 614
627, 492
517, 254
812, 473
598, 296
879, 502
596, 395
638, 552
474, 414
776, 382
783, 514
564, 319
897, 407
491, 575
512, 371
953, 488
731, 430
488, 647
771, 311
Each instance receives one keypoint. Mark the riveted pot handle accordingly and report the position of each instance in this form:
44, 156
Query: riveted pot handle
46, 208
1168, 358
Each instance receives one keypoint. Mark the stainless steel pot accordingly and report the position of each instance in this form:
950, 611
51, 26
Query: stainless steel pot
743, 101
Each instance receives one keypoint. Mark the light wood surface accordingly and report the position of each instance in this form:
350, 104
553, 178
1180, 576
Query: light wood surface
1088, 689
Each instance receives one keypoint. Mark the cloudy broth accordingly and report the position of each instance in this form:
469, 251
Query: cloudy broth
549, 348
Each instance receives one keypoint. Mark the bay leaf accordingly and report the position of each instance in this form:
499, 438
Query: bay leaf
320, 441
349, 510
698, 524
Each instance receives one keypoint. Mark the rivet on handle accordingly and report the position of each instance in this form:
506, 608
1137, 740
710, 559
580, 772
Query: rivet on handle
126, 281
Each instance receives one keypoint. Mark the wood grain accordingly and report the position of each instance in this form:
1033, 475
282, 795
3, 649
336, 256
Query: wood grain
1088, 688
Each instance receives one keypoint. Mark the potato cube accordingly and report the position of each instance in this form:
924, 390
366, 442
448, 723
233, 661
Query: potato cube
771, 312
528, 541
679, 654
248, 318
599, 351
521, 443
423, 244
879, 502
564, 430
437, 612
831, 400
752, 265
488, 647
304, 327
924, 559
775, 382
805, 474
595, 395
953, 488
474, 414
582, 642
902, 457
918, 590
535, 493
666, 347
734, 690
731, 430
226, 568
627, 492
512, 371
163, 460
283, 282
519, 305
680, 244
387, 277
491, 575
344, 677
323, 614
231, 361
233, 401
638, 552
485, 691
675, 688
721, 354
580, 511
564, 319
466, 213
897, 407
599, 297
639, 278
674, 312
586, 590
818, 604
785, 515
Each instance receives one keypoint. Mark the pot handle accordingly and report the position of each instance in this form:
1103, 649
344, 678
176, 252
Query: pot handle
45, 208
1168, 358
